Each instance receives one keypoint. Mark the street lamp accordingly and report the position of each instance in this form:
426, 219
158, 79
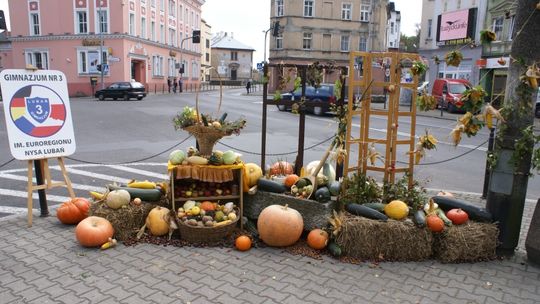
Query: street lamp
275, 31
101, 44
196, 38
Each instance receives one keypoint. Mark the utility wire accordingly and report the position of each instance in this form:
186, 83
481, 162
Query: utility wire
6, 163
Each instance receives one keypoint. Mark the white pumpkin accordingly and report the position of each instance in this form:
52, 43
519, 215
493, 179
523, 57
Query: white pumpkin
117, 198
325, 175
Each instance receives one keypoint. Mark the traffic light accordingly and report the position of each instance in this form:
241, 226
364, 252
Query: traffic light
196, 37
275, 29
98, 67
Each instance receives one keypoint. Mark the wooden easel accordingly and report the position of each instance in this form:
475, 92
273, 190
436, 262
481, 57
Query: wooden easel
48, 184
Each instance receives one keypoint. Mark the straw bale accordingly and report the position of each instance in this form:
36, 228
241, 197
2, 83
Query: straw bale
470, 242
390, 241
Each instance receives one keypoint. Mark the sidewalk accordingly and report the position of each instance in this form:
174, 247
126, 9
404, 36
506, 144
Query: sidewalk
44, 264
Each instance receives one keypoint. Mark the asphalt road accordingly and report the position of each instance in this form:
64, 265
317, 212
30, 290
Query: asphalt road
141, 132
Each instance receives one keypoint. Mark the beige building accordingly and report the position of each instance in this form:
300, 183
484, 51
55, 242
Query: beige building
324, 30
206, 51
232, 59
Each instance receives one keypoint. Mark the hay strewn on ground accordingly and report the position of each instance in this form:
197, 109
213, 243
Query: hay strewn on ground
470, 242
125, 221
391, 241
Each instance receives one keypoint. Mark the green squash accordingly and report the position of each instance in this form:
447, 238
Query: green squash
335, 188
322, 195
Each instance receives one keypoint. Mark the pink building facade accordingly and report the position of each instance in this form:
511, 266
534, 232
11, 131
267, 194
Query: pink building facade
143, 40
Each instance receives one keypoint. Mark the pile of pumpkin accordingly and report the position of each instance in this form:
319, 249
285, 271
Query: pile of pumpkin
281, 179
207, 214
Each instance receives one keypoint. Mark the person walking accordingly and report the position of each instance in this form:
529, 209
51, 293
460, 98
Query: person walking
180, 89
248, 86
174, 85
169, 84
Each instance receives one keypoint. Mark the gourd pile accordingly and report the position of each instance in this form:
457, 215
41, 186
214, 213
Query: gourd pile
207, 214
194, 157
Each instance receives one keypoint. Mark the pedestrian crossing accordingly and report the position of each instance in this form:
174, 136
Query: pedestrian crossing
84, 178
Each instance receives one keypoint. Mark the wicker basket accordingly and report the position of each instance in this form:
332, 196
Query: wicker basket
206, 137
196, 234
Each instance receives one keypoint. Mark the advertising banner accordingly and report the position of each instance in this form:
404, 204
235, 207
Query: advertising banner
456, 27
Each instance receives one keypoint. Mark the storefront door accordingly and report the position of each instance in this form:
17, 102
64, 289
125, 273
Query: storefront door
497, 89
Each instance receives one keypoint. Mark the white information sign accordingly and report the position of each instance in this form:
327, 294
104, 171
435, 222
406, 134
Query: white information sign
37, 113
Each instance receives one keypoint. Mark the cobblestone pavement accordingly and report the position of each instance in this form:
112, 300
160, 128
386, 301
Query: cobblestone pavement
44, 264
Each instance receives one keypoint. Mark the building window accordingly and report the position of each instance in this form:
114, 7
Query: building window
161, 33
162, 5
194, 69
445, 5
172, 37
392, 28
172, 8
82, 22
346, 9
88, 61
207, 57
511, 28
279, 8
39, 59
362, 46
498, 27
132, 24
234, 56
34, 24
429, 25
143, 27
153, 3
153, 31
306, 43
308, 8
364, 12
279, 41
157, 66
207, 43
172, 67
102, 21
458, 4
344, 43
391, 43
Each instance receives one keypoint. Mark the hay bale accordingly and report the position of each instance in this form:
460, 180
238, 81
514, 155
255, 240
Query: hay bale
125, 221
470, 242
390, 241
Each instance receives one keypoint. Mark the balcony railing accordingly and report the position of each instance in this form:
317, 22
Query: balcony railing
496, 48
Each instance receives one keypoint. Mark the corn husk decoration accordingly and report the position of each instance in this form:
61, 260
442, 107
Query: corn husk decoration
489, 113
456, 133
425, 142
453, 58
472, 99
373, 154
418, 67
426, 102
487, 36
533, 73
335, 222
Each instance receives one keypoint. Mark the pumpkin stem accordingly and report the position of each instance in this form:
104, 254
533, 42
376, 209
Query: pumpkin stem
285, 207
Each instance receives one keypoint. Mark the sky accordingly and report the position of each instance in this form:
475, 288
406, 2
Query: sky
247, 19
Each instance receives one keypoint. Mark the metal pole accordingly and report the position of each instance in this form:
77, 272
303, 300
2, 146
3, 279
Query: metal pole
491, 144
100, 44
41, 192
265, 34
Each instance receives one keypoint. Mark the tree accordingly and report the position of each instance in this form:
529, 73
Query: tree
410, 44
515, 139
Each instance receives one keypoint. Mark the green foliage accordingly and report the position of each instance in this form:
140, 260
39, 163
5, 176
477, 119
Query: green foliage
359, 188
524, 146
415, 197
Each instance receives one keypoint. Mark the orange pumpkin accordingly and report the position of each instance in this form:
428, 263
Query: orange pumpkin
73, 211
281, 168
280, 226
207, 206
242, 243
290, 180
94, 231
317, 239
434, 223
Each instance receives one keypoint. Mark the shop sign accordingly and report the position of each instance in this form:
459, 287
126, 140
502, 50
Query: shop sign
37, 114
497, 63
456, 27
91, 42
113, 59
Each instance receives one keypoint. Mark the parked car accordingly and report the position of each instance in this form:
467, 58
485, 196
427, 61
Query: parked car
324, 93
448, 91
124, 90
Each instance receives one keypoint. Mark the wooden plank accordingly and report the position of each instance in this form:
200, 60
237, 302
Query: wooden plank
66, 178
403, 141
378, 169
29, 189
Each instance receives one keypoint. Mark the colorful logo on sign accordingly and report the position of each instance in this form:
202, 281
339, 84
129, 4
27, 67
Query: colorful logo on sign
37, 111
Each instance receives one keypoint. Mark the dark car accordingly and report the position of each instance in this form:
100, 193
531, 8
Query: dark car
324, 93
124, 90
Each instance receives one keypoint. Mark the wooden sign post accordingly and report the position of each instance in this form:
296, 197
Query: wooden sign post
39, 123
